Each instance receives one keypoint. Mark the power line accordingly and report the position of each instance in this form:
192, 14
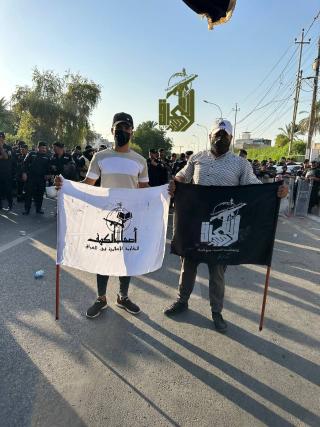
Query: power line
285, 102
275, 120
314, 20
280, 75
268, 90
267, 76
287, 94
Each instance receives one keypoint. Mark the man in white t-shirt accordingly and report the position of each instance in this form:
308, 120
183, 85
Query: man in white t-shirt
117, 168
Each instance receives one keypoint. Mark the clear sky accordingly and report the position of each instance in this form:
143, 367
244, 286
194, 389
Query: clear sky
132, 47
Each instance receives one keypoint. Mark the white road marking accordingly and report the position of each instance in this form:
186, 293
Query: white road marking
20, 240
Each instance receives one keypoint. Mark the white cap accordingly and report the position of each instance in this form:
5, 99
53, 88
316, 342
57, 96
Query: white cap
221, 124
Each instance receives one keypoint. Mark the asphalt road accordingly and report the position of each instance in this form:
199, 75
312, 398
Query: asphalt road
121, 370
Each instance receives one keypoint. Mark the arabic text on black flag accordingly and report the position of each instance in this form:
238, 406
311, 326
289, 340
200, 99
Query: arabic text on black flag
226, 225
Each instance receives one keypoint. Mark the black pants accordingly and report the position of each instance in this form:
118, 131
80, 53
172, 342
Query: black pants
102, 282
6, 189
34, 189
20, 188
216, 282
314, 196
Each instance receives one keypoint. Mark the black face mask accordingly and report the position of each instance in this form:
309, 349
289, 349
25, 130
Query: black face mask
220, 145
121, 137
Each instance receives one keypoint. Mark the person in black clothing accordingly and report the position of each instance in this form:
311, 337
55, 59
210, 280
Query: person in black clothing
313, 175
188, 155
179, 164
172, 161
36, 168
84, 161
166, 171
5, 172
62, 163
264, 173
282, 162
156, 169
76, 154
23, 151
243, 153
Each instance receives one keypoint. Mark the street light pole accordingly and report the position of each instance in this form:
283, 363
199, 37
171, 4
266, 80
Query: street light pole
212, 103
205, 127
195, 136
235, 125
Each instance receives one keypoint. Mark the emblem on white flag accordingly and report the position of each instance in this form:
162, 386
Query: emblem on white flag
116, 232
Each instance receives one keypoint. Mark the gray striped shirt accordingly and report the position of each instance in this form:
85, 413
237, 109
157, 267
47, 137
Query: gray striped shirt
206, 169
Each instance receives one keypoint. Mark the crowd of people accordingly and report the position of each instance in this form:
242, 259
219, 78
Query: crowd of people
271, 170
25, 173
161, 168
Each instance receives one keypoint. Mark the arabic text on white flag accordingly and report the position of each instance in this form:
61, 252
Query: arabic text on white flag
116, 232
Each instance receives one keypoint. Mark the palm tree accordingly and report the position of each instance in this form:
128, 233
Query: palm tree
286, 131
304, 123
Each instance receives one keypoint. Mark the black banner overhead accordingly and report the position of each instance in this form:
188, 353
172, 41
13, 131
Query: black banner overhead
226, 225
216, 11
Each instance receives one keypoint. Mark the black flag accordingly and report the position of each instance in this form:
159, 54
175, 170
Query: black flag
226, 225
216, 11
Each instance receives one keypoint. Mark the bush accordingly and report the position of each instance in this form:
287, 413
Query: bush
264, 153
298, 148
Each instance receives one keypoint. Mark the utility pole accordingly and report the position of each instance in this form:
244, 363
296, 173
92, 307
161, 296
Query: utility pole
180, 146
314, 103
205, 127
235, 125
298, 85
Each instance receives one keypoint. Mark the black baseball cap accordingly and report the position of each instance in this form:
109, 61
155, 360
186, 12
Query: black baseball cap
122, 118
42, 144
2, 135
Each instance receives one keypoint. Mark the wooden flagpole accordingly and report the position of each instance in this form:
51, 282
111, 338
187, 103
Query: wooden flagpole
57, 290
266, 286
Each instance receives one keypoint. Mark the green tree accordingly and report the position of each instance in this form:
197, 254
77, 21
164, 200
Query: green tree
27, 129
55, 107
286, 131
281, 140
147, 136
8, 120
304, 123
299, 147
136, 148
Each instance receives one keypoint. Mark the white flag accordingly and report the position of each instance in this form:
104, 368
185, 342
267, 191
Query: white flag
116, 232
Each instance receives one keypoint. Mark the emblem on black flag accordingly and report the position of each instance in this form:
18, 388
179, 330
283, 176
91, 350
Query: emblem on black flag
220, 225
223, 226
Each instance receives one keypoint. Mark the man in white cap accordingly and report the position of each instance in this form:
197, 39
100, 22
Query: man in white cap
219, 167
